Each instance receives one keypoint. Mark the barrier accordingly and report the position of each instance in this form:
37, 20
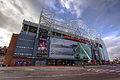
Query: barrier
16, 63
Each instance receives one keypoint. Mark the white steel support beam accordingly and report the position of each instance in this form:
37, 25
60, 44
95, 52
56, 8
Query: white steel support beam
39, 25
86, 53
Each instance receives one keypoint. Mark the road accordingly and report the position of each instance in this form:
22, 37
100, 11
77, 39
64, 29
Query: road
61, 73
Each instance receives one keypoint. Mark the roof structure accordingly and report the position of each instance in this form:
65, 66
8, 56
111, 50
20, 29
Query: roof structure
75, 27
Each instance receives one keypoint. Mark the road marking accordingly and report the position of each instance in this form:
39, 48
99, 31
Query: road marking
49, 76
104, 70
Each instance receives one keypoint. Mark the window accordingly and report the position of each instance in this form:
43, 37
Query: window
53, 33
25, 27
43, 33
58, 34
32, 29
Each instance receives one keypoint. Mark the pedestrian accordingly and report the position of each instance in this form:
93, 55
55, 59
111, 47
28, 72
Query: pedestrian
83, 65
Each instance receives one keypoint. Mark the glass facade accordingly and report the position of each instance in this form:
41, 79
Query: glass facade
25, 45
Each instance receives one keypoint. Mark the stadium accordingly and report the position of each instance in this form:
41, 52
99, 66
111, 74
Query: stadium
52, 42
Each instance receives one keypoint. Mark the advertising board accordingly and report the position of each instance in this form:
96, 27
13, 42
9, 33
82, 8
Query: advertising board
61, 48
68, 49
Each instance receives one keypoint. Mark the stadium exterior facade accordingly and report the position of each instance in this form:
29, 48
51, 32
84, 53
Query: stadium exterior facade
53, 42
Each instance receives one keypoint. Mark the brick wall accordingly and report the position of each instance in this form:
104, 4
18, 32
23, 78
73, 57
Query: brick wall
11, 48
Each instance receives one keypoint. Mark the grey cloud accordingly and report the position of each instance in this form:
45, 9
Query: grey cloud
12, 13
114, 52
1, 37
37, 5
13, 23
113, 45
8, 24
18, 7
97, 14
3, 19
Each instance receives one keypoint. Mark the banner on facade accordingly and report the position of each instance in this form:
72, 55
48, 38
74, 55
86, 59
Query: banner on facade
43, 47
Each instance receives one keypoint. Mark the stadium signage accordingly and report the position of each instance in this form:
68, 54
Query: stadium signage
75, 39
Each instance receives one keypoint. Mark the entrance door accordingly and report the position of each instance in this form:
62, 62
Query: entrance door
40, 63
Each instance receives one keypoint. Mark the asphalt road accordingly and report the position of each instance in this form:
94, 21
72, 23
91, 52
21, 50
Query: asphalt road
61, 73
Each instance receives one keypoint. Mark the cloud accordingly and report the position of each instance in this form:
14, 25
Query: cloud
13, 12
75, 6
61, 11
98, 14
4, 39
113, 46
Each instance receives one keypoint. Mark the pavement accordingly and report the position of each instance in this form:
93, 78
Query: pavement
109, 72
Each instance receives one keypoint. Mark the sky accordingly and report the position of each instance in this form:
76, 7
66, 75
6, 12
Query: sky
102, 15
